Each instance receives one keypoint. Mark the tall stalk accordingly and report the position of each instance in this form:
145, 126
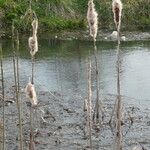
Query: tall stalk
30, 4
3, 93
32, 76
97, 116
92, 18
89, 106
17, 86
118, 135
18, 96
30, 90
31, 143
117, 11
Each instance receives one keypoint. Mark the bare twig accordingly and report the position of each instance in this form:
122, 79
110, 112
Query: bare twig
3, 93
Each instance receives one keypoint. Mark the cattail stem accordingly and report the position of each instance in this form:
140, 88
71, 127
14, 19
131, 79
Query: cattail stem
118, 35
89, 111
118, 138
3, 93
31, 144
17, 86
30, 5
98, 106
32, 78
18, 97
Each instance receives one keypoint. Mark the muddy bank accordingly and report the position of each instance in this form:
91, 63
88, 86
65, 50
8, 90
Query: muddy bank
59, 123
102, 36
85, 36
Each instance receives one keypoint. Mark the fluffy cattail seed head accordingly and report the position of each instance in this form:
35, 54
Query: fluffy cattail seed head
33, 45
92, 19
117, 11
31, 94
35, 26
32, 41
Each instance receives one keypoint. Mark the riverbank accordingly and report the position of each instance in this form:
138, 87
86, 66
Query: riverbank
61, 124
103, 35
83, 35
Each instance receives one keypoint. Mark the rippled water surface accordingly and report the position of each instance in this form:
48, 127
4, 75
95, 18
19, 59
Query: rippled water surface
61, 67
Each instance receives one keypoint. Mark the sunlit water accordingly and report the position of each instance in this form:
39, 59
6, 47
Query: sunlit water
61, 67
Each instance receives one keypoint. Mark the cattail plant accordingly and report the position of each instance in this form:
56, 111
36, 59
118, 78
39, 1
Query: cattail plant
117, 11
92, 19
33, 44
30, 89
3, 92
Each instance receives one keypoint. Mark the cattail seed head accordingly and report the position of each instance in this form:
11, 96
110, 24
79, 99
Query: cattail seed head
32, 41
92, 18
117, 11
31, 94
35, 26
33, 45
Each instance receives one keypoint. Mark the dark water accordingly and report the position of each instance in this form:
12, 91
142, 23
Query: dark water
61, 67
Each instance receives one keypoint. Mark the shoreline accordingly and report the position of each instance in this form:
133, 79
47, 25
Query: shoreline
103, 35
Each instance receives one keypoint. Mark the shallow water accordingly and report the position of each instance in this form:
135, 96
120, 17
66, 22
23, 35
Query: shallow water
61, 67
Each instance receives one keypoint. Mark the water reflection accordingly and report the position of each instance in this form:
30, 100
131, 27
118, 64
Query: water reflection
61, 67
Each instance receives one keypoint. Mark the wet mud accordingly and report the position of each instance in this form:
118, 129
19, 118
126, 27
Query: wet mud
60, 123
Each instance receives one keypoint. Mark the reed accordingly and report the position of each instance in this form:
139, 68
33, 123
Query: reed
97, 115
3, 92
92, 18
30, 88
18, 94
89, 101
119, 109
117, 11
31, 144
17, 80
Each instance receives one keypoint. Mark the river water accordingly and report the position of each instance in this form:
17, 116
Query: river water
60, 66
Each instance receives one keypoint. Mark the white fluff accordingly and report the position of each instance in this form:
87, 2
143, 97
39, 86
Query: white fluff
33, 45
31, 93
123, 38
92, 19
32, 41
114, 35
